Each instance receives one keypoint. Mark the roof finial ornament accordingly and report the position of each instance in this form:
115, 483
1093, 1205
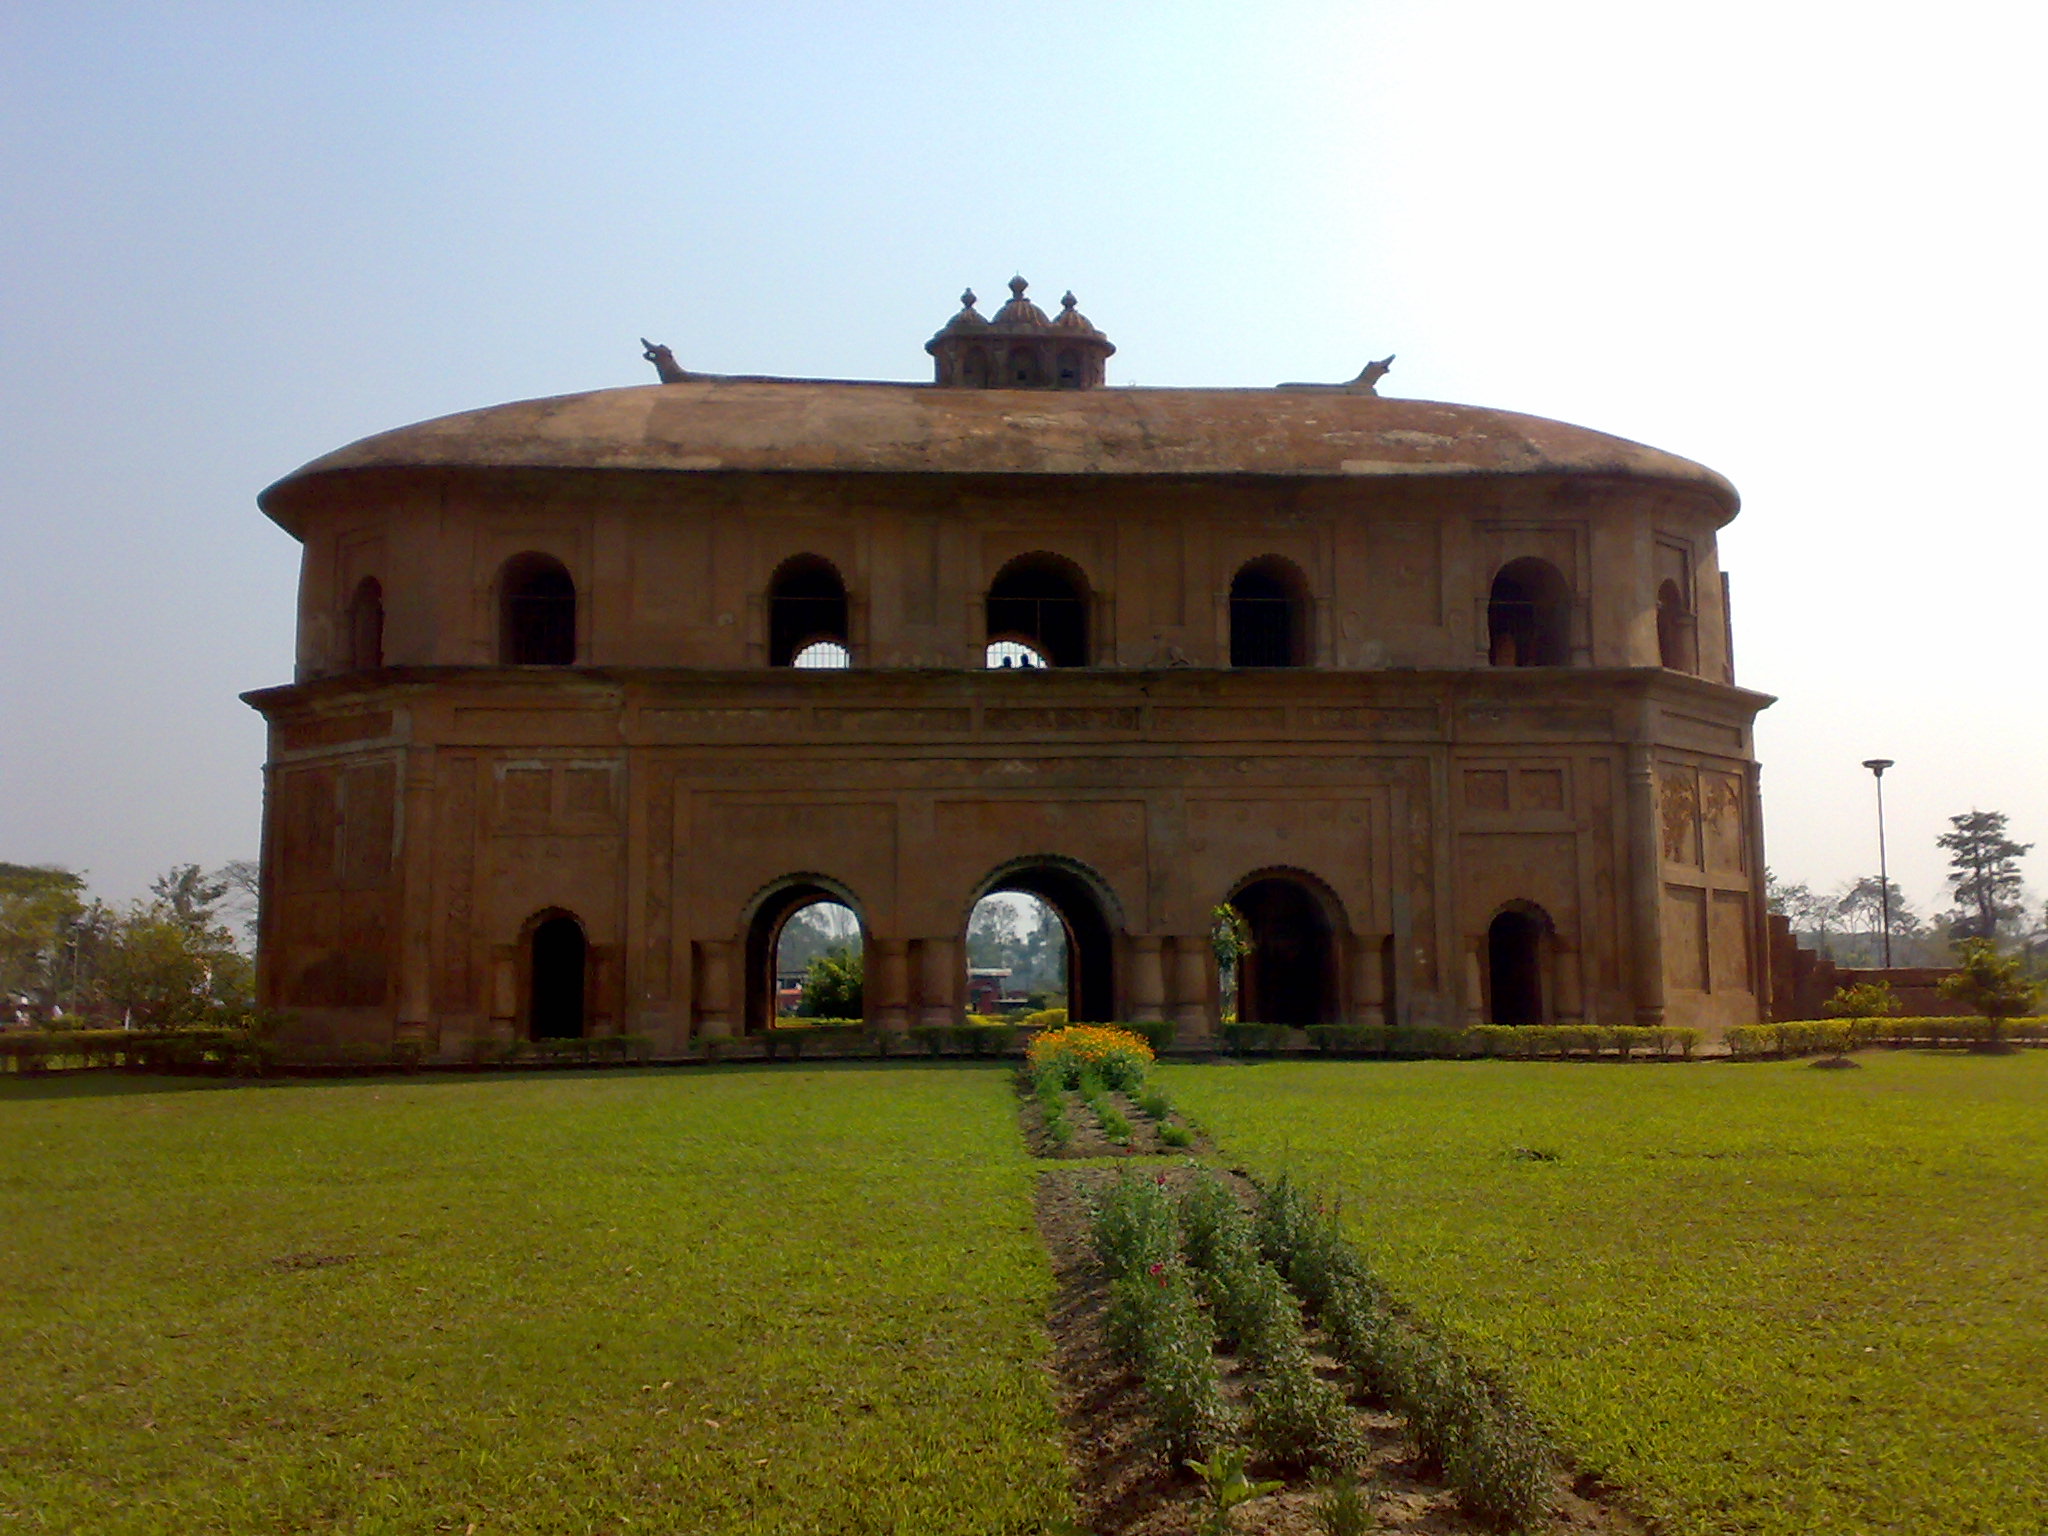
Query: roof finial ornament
1067, 299
664, 362
1017, 287
1369, 376
967, 299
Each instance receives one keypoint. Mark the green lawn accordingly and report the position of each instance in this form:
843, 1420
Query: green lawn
1764, 1298
801, 1299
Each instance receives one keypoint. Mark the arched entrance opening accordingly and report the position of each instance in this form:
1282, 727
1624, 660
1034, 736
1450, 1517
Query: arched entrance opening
806, 611
1041, 602
1515, 944
1290, 974
1080, 907
1674, 630
1529, 616
1016, 954
536, 612
806, 932
557, 977
366, 626
1268, 615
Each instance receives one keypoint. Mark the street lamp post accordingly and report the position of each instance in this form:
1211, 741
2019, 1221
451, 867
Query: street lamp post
1877, 766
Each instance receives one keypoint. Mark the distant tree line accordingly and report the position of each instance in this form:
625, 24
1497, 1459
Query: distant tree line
177, 957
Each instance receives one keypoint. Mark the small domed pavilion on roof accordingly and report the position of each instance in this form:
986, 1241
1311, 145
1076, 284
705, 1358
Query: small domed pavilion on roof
594, 692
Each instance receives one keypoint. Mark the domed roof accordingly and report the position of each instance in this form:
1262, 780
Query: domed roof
710, 425
1071, 319
1020, 313
969, 318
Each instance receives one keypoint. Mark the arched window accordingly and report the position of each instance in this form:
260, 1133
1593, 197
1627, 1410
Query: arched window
806, 605
1515, 943
1025, 370
366, 626
558, 959
1068, 371
1268, 616
1529, 616
974, 372
1674, 630
536, 613
1041, 603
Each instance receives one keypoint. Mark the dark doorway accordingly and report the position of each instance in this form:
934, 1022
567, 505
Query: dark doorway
537, 613
1514, 968
766, 982
1529, 616
1290, 975
1266, 616
806, 606
560, 957
1090, 943
366, 626
1674, 630
1041, 601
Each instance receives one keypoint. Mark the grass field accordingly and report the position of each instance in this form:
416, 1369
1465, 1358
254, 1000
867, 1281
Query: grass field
804, 1299
1765, 1299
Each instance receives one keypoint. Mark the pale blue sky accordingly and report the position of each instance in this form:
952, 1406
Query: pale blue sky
1796, 242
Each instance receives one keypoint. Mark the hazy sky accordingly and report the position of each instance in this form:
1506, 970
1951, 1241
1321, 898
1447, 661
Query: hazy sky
1800, 243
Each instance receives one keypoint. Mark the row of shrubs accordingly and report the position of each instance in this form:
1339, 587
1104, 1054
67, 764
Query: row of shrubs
1834, 1037
1191, 1274
1517, 1040
141, 1050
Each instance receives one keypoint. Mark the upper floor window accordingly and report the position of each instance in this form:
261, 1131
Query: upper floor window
366, 626
536, 612
1268, 615
1529, 616
1040, 602
1674, 630
806, 612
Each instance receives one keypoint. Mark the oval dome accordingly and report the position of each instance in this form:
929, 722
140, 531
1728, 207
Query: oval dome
789, 426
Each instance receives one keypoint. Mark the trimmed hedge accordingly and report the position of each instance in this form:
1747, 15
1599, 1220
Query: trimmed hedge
1833, 1037
139, 1050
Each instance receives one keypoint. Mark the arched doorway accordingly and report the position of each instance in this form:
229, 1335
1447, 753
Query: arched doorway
1081, 906
1268, 615
806, 610
1674, 630
558, 968
536, 612
1040, 601
1290, 974
1529, 616
794, 924
1017, 953
1515, 943
366, 626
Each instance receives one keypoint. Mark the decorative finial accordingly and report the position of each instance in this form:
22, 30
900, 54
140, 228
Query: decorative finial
1067, 300
664, 362
967, 299
1369, 377
1017, 287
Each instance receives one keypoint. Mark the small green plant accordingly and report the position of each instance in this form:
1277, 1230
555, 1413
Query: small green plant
1342, 1507
1177, 1136
1153, 1104
1865, 1000
1226, 1487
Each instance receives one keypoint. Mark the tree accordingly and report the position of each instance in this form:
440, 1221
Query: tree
1984, 874
834, 986
190, 895
38, 905
1992, 984
159, 967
